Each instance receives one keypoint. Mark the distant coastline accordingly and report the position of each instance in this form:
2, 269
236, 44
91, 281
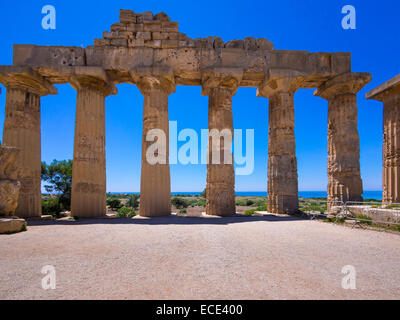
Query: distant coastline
302, 194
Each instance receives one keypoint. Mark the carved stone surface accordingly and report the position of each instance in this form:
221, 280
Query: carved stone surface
22, 130
389, 94
279, 86
88, 195
220, 86
9, 186
155, 185
344, 178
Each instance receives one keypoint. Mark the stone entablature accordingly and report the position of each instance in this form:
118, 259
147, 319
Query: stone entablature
149, 51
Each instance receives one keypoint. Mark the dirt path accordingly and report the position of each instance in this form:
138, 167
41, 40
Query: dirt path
199, 258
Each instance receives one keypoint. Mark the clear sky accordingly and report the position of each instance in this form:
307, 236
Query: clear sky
314, 26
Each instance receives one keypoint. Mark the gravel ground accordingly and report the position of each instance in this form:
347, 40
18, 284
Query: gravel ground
198, 258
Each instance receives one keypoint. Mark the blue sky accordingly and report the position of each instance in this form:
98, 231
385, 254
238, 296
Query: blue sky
314, 26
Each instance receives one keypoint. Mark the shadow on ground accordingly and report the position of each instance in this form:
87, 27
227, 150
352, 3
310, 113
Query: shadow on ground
176, 220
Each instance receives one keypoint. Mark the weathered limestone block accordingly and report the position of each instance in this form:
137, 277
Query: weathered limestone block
22, 130
389, 94
344, 179
9, 185
279, 87
220, 85
156, 84
88, 195
12, 225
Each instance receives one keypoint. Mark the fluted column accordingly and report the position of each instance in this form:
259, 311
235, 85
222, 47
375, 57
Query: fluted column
220, 86
22, 130
389, 94
279, 87
155, 184
88, 195
344, 178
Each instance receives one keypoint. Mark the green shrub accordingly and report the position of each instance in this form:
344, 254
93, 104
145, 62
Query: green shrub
250, 212
51, 207
249, 202
125, 212
179, 203
365, 219
241, 203
182, 211
262, 208
133, 201
114, 204
260, 203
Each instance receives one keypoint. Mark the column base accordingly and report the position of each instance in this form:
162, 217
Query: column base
283, 204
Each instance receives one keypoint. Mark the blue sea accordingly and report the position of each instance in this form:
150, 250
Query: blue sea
302, 194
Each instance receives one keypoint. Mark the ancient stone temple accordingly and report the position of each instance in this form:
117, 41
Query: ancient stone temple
389, 94
150, 52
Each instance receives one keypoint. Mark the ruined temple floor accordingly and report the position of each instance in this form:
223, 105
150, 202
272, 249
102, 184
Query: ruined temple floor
198, 258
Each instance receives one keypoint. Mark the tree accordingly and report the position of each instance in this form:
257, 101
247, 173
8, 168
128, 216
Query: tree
133, 201
204, 193
58, 176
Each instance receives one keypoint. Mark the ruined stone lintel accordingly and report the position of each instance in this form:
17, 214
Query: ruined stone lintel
155, 187
25, 78
220, 198
389, 94
344, 178
279, 86
88, 195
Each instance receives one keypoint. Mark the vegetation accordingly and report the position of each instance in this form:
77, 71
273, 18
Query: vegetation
183, 211
133, 201
114, 204
313, 204
125, 212
179, 203
51, 207
58, 178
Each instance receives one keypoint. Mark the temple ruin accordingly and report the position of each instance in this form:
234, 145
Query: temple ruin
150, 52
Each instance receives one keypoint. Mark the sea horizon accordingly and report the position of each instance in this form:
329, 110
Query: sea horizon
371, 194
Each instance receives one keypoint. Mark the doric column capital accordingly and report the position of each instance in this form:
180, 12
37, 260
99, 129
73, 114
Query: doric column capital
280, 80
345, 83
21, 77
385, 90
225, 78
92, 77
157, 77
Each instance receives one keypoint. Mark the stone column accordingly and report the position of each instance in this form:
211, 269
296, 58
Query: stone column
279, 87
22, 130
389, 94
155, 184
344, 179
88, 195
220, 86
